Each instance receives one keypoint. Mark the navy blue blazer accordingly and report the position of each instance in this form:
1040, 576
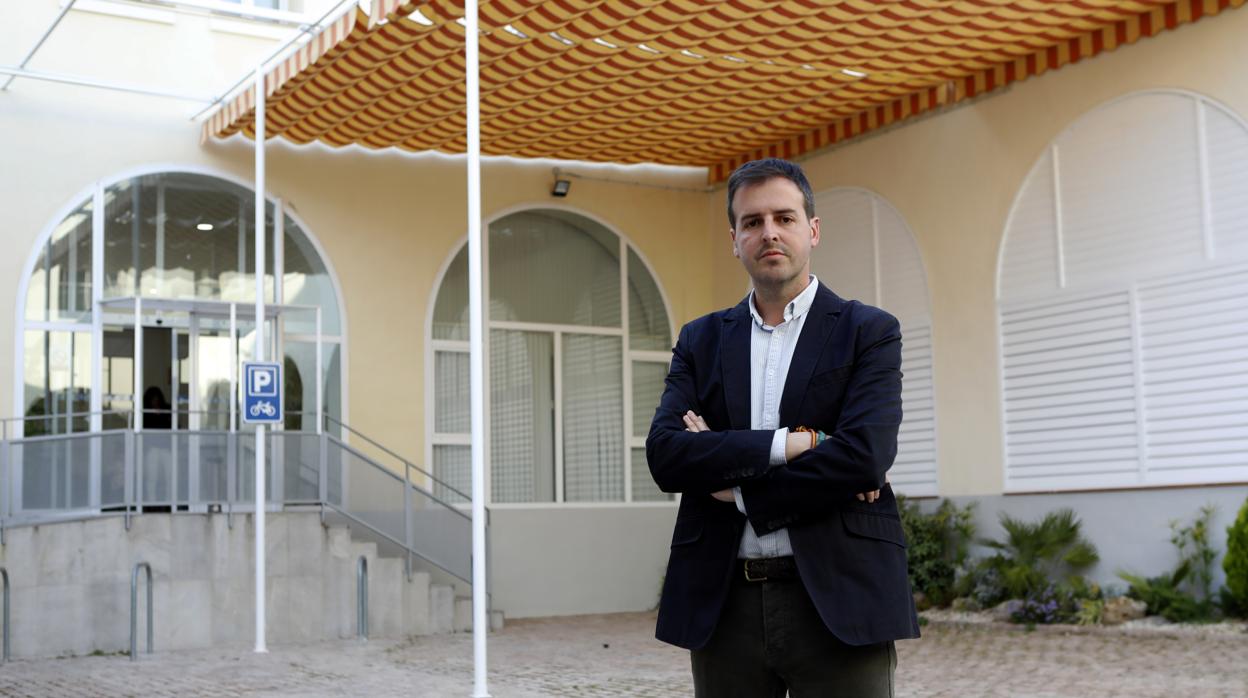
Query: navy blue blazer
844, 380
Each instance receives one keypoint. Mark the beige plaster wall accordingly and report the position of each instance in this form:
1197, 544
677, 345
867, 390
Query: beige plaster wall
954, 177
388, 222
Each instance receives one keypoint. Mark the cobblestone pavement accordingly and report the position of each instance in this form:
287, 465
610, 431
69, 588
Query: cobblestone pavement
616, 655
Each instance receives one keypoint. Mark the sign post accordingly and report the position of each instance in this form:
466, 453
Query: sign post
262, 405
259, 356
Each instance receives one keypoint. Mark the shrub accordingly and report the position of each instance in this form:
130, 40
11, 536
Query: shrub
1048, 605
1036, 555
936, 546
1165, 598
1235, 564
1090, 611
1192, 544
1185, 594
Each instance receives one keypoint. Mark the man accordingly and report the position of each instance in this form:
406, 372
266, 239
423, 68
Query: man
788, 564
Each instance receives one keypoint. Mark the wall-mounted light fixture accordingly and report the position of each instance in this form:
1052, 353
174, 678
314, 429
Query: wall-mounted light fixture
561, 187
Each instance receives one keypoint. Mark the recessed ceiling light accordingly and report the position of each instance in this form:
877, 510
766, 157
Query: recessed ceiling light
514, 32
204, 226
562, 40
691, 54
603, 42
647, 49
853, 73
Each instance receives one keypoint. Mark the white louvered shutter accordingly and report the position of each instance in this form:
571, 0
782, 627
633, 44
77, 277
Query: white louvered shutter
1121, 294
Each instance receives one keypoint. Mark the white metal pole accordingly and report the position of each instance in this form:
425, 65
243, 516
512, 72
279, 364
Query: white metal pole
320, 379
476, 346
258, 355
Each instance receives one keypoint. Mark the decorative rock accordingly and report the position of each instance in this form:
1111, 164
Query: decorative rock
965, 604
1121, 609
1004, 611
921, 602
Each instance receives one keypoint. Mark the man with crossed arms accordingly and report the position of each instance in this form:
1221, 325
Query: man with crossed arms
788, 567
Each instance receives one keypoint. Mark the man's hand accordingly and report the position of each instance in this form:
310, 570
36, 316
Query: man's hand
694, 422
796, 444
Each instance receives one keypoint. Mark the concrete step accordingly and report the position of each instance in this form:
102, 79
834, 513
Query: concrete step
426, 607
463, 616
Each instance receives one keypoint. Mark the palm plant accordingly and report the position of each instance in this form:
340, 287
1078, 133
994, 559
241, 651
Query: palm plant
1034, 555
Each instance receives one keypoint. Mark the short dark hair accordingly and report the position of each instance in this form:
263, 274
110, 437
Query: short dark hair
758, 171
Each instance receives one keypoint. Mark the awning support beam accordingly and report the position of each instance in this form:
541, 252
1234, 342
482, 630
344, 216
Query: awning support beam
31, 53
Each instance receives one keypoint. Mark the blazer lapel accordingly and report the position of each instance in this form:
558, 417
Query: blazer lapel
734, 362
823, 315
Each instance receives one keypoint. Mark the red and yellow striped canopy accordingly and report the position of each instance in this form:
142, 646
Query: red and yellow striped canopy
682, 82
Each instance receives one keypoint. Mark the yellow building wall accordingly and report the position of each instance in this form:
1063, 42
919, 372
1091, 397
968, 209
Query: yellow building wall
387, 222
954, 177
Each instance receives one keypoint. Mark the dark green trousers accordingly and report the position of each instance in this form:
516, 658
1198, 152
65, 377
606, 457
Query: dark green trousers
770, 640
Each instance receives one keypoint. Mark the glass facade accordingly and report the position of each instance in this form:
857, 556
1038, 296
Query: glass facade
183, 244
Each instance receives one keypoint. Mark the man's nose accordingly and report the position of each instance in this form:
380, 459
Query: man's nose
771, 231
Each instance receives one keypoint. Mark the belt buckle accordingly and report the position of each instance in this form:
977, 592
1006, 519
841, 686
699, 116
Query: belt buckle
748, 578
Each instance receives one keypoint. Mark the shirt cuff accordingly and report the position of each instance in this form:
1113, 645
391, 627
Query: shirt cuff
778, 442
736, 494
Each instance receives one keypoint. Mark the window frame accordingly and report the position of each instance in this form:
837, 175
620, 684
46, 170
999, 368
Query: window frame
629, 356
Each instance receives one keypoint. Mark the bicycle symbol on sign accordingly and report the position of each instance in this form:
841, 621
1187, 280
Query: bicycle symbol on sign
263, 408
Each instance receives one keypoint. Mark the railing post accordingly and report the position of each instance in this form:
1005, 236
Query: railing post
129, 475
322, 440
4, 575
231, 475
407, 521
361, 602
134, 610
139, 466
6, 485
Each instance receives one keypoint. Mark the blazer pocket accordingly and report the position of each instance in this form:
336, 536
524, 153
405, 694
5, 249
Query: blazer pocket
686, 533
876, 526
833, 375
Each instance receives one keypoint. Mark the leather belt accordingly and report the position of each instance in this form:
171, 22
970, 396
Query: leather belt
770, 569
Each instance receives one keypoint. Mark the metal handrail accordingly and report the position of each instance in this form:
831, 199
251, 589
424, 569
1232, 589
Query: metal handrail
392, 454
134, 608
390, 473
361, 600
61, 415
361, 522
4, 575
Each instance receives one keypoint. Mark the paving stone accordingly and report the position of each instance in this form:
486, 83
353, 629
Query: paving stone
614, 655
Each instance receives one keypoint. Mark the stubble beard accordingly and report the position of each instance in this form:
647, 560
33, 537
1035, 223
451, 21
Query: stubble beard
772, 281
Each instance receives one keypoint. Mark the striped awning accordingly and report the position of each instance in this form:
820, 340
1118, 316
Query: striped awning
683, 82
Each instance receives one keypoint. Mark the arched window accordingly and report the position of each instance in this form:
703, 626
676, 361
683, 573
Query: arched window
176, 251
868, 253
579, 345
1121, 295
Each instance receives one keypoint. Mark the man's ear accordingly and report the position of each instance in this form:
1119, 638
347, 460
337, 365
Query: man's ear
814, 231
732, 233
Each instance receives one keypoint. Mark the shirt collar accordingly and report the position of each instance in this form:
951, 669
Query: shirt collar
796, 307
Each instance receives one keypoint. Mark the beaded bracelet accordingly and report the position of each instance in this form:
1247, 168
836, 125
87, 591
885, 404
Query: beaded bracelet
816, 437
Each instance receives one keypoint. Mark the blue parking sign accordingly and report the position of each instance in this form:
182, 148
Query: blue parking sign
262, 393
